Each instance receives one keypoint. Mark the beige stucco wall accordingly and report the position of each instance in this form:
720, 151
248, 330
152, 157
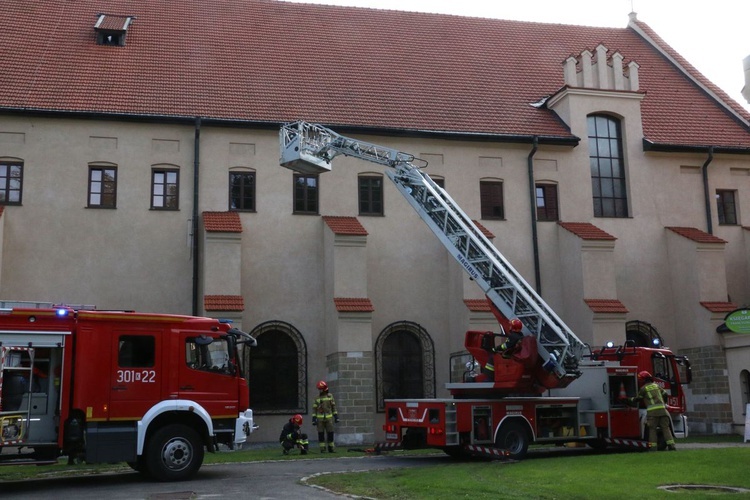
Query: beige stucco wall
57, 250
737, 348
288, 267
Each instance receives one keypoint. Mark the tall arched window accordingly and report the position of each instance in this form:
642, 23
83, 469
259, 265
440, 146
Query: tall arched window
607, 167
642, 334
405, 363
277, 368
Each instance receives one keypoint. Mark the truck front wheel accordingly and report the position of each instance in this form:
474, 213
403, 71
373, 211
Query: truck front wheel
174, 453
513, 438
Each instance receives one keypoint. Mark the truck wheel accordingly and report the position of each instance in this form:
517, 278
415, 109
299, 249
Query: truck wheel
514, 438
174, 453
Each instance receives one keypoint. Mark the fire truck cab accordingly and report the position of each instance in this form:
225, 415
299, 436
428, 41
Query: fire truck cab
152, 390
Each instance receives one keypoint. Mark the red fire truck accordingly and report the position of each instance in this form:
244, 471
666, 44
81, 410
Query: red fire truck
549, 388
152, 390
494, 418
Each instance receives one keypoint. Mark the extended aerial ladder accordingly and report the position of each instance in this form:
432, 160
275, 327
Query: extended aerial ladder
309, 148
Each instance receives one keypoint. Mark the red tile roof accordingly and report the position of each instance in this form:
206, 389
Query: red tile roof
719, 307
245, 61
697, 235
223, 303
606, 305
353, 305
484, 230
477, 305
345, 225
586, 231
226, 222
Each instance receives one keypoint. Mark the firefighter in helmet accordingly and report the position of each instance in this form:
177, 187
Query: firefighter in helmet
291, 436
515, 335
654, 398
324, 416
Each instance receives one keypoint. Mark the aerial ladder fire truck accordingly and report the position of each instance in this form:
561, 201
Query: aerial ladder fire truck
531, 397
153, 390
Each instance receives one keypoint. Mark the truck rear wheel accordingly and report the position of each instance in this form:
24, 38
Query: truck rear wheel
174, 453
513, 438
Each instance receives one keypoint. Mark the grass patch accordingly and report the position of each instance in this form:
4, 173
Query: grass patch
614, 475
610, 475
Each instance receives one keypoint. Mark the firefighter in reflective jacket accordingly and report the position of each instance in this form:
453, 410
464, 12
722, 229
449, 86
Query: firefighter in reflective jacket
514, 336
324, 416
292, 437
654, 398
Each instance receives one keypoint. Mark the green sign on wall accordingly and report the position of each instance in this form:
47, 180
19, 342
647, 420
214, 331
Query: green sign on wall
738, 321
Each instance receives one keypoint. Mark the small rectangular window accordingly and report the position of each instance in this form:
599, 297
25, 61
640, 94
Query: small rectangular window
136, 351
165, 189
305, 194
726, 206
11, 182
546, 202
102, 187
242, 191
370, 195
491, 199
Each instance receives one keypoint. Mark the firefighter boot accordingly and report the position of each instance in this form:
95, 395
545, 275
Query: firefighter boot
286, 446
331, 444
322, 441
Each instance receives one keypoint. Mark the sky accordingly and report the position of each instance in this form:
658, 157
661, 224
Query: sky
711, 35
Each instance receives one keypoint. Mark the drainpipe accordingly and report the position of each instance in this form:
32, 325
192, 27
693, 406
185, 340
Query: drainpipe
532, 199
196, 165
706, 197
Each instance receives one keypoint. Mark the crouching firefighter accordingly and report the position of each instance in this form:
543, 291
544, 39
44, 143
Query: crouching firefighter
324, 416
291, 436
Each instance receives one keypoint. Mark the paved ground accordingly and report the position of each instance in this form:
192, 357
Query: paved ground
269, 480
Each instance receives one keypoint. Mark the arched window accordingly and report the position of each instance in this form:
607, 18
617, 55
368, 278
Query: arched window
277, 368
642, 334
607, 167
405, 363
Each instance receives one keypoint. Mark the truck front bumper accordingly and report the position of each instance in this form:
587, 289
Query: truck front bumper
244, 426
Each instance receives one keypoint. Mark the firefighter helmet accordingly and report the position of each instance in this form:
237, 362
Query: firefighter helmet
297, 419
322, 386
644, 375
516, 325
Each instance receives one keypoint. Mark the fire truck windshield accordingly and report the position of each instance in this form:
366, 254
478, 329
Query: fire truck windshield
208, 355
